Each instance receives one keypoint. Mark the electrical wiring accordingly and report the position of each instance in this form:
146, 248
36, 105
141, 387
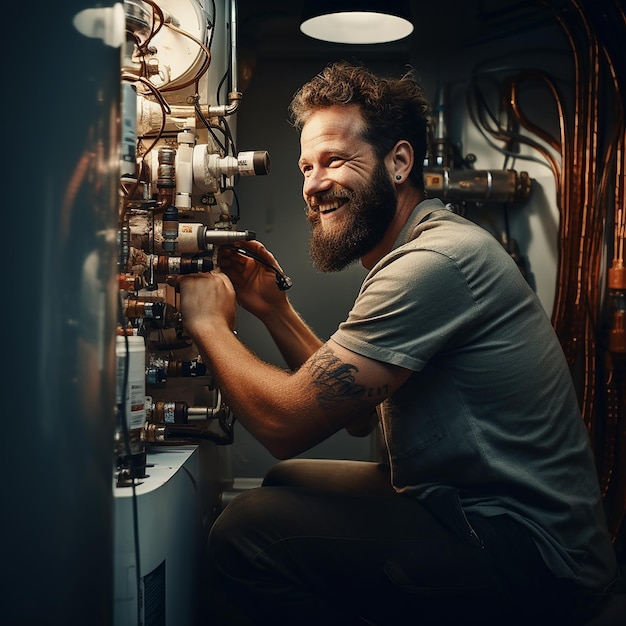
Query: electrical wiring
212, 26
223, 79
207, 125
203, 69
511, 95
587, 159
477, 108
237, 216
591, 156
157, 23
225, 127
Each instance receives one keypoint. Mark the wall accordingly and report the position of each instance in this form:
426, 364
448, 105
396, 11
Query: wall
273, 207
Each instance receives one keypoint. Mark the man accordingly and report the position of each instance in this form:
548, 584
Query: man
488, 510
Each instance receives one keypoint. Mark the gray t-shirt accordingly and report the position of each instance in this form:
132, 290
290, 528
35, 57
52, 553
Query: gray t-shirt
489, 420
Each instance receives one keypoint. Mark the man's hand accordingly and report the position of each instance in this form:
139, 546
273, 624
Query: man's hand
255, 284
207, 302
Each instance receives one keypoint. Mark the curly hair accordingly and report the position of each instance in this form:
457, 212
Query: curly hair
392, 109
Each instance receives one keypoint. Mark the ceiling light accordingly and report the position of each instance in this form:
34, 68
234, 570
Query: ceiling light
356, 22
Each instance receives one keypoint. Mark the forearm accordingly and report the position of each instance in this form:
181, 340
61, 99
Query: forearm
281, 409
292, 336
264, 398
287, 412
297, 342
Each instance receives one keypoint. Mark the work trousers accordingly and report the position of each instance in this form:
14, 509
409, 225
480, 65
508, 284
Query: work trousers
330, 542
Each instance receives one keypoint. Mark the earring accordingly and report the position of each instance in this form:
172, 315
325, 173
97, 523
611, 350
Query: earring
398, 177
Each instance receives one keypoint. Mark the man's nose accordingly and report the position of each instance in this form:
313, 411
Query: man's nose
316, 181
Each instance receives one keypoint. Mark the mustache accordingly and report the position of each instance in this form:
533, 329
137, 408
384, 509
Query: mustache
312, 215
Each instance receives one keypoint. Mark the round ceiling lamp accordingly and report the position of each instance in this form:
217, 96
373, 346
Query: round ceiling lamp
356, 22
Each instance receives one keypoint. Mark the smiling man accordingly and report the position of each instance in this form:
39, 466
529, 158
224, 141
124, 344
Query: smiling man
486, 508
350, 195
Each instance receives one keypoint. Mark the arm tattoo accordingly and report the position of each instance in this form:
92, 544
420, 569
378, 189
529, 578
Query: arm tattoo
335, 379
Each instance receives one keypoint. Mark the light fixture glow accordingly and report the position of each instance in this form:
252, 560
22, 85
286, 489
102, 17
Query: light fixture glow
356, 22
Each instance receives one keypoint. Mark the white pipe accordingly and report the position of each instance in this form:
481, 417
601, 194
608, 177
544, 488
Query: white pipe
234, 95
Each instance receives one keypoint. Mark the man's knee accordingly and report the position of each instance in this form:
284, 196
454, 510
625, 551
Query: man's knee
284, 473
330, 475
232, 539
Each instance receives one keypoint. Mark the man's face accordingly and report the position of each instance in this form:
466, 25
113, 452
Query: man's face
349, 194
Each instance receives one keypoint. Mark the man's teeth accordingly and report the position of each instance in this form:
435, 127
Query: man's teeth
327, 207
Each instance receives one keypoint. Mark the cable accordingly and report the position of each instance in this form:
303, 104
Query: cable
126, 435
208, 126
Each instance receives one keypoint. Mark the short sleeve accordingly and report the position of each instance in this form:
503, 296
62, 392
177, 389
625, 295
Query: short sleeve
410, 307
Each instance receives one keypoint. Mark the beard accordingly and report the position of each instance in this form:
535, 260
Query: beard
368, 214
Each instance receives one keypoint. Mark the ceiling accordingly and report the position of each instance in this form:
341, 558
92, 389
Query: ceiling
270, 28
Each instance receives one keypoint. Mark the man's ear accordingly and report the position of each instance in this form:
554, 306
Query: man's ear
400, 160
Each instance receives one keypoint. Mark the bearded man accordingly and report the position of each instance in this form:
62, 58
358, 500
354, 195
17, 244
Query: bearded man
486, 508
